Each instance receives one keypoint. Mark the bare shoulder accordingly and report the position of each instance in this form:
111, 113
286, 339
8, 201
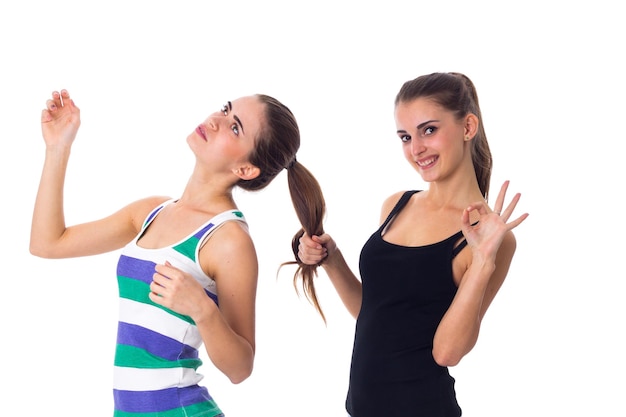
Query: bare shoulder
389, 204
149, 203
138, 210
233, 235
230, 250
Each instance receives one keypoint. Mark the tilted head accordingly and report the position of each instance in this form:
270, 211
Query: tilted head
276, 143
456, 93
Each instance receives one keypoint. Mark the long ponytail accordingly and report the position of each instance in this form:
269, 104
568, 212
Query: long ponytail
308, 202
276, 147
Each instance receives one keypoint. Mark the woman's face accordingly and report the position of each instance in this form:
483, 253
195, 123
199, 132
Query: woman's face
432, 138
227, 137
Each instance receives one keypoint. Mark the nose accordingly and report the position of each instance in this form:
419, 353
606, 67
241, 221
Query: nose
417, 146
212, 124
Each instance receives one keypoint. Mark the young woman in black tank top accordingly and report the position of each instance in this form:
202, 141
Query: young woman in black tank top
434, 265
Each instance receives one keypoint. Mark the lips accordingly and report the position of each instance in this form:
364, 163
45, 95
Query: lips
200, 131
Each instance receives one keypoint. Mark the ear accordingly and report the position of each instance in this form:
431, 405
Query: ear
247, 172
470, 126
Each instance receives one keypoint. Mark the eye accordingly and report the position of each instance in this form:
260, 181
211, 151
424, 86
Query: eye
429, 130
235, 128
405, 138
224, 110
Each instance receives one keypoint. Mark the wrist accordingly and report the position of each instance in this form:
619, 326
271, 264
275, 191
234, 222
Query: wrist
483, 266
332, 259
206, 311
58, 149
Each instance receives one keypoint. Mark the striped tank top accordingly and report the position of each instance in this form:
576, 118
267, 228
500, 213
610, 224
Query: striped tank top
156, 356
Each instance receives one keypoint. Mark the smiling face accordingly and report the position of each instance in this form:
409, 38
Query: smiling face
433, 139
226, 138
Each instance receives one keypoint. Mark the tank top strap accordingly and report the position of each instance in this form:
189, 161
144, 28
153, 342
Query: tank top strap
399, 206
209, 227
461, 245
204, 232
153, 214
190, 247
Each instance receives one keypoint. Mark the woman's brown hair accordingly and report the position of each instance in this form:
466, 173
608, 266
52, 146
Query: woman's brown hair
275, 150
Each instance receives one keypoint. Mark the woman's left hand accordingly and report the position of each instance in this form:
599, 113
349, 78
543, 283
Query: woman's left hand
486, 236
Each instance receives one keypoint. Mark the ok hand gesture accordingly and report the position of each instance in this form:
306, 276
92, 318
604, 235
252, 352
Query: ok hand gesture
486, 236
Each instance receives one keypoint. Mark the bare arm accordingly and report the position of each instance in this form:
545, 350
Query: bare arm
316, 249
493, 246
228, 332
50, 237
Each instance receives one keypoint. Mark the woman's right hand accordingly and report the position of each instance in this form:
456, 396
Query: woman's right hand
60, 119
313, 250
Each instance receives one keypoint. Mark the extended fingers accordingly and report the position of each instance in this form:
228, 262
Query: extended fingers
500, 199
514, 223
509, 209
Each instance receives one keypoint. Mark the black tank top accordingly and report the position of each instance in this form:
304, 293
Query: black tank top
406, 291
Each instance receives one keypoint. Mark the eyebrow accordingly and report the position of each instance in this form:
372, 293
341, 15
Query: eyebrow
421, 125
230, 107
239, 123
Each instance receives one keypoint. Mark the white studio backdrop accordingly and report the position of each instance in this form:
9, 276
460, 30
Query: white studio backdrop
144, 73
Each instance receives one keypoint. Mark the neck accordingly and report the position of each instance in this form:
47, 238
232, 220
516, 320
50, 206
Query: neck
209, 194
457, 191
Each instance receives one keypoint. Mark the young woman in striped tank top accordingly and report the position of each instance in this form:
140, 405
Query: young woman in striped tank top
188, 268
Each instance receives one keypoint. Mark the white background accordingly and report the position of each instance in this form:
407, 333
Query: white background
550, 76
